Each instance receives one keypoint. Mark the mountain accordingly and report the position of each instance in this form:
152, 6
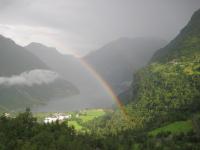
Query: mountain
14, 59
67, 65
25, 80
185, 44
117, 61
166, 92
174, 74
71, 68
171, 82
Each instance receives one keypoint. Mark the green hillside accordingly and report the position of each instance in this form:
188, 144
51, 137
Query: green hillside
175, 127
187, 43
85, 117
172, 79
163, 99
171, 82
167, 89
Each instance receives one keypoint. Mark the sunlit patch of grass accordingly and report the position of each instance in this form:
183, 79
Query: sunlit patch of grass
77, 126
89, 115
176, 127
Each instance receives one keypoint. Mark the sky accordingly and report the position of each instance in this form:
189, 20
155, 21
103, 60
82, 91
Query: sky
80, 26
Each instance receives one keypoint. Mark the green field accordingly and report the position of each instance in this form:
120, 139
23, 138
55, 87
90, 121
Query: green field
84, 117
89, 115
77, 126
176, 127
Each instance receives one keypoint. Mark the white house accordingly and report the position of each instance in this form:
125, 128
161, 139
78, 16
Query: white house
7, 115
57, 116
50, 119
63, 117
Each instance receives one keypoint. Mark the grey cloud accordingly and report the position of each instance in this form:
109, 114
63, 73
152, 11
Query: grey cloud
88, 24
13, 3
6, 3
33, 77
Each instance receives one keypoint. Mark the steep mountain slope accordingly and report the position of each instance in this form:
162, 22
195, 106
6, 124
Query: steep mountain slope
117, 60
170, 84
167, 89
172, 80
185, 44
25, 80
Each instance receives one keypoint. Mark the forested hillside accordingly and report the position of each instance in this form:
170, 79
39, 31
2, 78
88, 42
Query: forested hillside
165, 91
172, 80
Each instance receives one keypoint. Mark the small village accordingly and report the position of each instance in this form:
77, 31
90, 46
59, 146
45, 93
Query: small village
57, 117
77, 119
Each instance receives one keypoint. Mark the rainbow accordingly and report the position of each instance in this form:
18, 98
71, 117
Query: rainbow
103, 83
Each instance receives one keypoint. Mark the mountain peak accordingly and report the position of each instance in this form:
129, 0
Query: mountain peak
14, 59
41, 46
35, 44
193, 26
121, 58
184, 44
196, 16
6, 40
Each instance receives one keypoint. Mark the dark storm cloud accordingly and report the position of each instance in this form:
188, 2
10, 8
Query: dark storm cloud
83, 25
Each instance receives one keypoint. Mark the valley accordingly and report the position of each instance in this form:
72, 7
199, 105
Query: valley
77, 119
138, 92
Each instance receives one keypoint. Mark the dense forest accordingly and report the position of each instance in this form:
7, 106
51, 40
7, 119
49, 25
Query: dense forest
24, 132
162, 112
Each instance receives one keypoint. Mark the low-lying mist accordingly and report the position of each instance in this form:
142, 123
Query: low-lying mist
30, 78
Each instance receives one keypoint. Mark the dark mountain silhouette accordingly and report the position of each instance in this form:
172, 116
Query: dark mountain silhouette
117, 61
20, 85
